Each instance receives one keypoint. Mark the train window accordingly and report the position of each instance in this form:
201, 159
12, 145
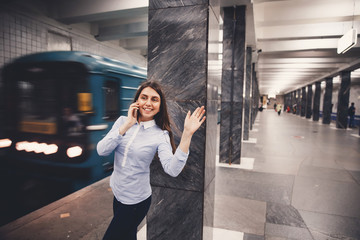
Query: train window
43, 92
111, 96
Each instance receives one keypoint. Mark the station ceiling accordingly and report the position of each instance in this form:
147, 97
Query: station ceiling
294, 41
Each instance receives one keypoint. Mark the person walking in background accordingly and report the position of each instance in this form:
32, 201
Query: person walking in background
351, 113
278, 109
136, 139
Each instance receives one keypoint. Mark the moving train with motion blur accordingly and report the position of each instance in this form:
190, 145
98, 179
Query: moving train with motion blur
57, 106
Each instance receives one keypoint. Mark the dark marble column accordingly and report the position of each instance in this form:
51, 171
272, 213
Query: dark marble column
308, 111
293, 102
316, 105
247, 100
303, 102
298, 105
179, 35
327, 104
255, 96
289, 101
232, 84
343, 100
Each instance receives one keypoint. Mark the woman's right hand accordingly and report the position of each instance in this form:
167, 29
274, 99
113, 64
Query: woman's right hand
133, 113
131, 119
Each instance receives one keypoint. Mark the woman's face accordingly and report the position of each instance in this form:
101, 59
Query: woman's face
149, 104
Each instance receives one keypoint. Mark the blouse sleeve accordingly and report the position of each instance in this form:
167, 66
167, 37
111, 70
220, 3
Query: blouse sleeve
171, 163
111, 140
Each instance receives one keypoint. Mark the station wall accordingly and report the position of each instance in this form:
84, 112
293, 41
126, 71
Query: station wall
23, 32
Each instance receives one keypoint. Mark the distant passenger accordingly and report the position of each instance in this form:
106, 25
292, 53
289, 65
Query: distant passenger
136, 139
351, 113
278, 109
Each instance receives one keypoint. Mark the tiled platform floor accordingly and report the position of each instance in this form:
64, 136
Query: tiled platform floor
305, 182
298, 179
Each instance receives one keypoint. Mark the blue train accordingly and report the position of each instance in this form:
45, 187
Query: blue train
58, 105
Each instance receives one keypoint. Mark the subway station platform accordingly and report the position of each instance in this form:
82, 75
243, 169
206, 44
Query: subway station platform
298, 179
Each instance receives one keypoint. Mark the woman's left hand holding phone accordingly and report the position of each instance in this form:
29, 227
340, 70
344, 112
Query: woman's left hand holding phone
131, 119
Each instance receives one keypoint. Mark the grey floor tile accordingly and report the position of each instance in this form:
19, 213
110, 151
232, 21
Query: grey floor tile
238, 214
253, 237
324, 226
283, 215
325, 173
325, 196
278, 165
257, 186
286, 232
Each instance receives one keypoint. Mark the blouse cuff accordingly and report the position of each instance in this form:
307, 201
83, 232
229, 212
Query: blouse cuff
180, 155
115, 135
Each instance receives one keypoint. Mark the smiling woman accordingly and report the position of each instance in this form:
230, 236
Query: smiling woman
136, 139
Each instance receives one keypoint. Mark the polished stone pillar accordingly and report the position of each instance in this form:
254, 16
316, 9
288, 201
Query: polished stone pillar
247, 100
293, 101
327, 104
255, 96
232, 84
289, 100
308, 111
316, 105
298, 105
178, 39
343, 100
303, 101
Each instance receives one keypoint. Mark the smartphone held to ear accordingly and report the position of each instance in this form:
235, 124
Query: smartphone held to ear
135, 112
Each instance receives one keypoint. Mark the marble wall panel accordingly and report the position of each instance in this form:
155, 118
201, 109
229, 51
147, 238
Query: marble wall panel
157, 4
327, 106
298, 108
192, 176
237, 87
183, 71
209, 208
316, 105
308, 101
303, 101
247, 100
211, 135
343, 100
232, 87
234, 44
178, 57
225, 134
171, 210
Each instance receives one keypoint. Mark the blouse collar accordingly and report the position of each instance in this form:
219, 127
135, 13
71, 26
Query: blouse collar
148, 124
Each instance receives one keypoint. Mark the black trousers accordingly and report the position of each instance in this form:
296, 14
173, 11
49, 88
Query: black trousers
126, 219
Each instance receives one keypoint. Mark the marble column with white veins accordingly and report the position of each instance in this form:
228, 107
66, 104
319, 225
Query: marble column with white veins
178, 55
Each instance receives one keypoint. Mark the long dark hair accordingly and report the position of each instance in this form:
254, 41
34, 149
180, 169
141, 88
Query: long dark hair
162, 118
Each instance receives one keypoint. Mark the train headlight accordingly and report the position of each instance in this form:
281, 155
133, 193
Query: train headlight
40, 147
36, 147
21, 145
51, 149
74, 151
5, 143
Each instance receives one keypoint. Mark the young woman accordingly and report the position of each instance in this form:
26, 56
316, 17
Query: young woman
136, 139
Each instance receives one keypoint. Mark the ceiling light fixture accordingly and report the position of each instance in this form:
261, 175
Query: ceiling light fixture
349, 39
